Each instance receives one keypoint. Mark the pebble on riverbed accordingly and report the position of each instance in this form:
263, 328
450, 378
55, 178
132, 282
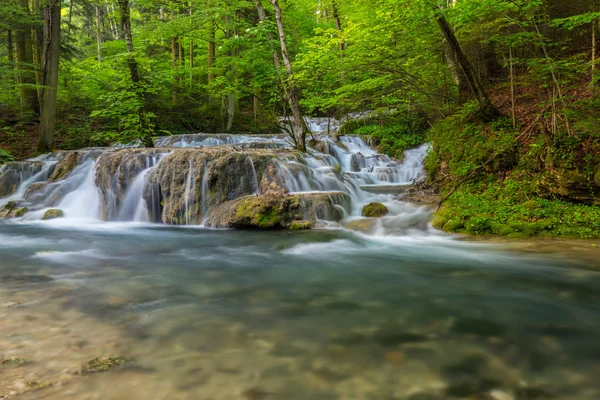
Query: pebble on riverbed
102, 364
14, 361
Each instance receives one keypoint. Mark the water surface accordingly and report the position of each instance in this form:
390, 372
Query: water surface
205, 314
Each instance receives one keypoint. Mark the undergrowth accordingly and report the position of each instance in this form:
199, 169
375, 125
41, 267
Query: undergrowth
500, 182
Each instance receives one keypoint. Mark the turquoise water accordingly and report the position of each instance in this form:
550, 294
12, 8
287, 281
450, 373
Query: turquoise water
204, 314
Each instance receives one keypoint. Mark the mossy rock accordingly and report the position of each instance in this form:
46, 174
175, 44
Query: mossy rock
22, 212
53, 213
11, 205
14, 361
300, 225
102, 364
375, 210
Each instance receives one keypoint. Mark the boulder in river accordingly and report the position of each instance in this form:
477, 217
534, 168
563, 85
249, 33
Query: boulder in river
53, 213
375, 210
277, 212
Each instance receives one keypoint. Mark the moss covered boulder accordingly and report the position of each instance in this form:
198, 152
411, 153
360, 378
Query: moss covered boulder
102, 364
53, 213
280, 212
375, 210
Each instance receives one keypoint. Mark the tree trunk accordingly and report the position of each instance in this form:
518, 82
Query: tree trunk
487, 109
211, 51
298, 124
50, 64
191, 51
338, 23
10, 47
174, 56
512, 86
126, 27
25, 68
133, 66
594, 23
99, 32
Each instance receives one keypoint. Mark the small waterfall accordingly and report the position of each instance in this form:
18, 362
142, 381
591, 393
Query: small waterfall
204, 191
190, 194
84, 201
254, 179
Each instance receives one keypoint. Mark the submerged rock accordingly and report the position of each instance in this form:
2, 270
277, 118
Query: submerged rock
53, 213
14, 361
375, 210
102, 364
364, 225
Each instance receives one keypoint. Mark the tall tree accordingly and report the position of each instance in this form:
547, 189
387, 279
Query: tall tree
49, 71
145, 135
298, 122
487, 109
25, 66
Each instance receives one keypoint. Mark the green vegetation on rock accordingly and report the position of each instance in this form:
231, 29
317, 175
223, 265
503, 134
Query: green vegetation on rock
375, 210
14, 361
102, 364
53, 213
300, 225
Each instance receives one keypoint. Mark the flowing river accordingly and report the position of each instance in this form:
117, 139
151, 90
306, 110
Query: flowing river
397, 311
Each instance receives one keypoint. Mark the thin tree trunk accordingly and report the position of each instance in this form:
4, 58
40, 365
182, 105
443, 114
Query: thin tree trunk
133, 67
174, 56
211, 51
99, 32
338, 23
298, 124
512, 86
50, 64
487, 109
594, 22
191, 56
25, 69
10, 47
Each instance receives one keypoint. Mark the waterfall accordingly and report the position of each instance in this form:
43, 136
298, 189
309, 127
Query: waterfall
127, 184
204, 191
84, 201
190, 193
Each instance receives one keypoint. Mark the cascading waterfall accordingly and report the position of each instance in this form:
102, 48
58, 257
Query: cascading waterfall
343, 164
190, 194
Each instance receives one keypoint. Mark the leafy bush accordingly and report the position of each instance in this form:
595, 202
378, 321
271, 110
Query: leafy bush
5, 156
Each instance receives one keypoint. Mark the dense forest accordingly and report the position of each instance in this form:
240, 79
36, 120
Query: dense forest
505, 90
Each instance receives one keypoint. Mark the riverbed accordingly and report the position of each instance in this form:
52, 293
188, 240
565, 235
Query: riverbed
326, 314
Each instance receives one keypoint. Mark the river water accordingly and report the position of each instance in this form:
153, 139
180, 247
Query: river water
404, 312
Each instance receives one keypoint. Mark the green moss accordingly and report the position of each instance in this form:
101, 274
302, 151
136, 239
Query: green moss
544, 187
22, 211
374, 210
300, 225
53, 214
102, 364
11, 205
497, 208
